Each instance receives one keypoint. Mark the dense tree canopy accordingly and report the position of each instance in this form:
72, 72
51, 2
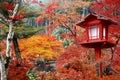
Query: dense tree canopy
41, 46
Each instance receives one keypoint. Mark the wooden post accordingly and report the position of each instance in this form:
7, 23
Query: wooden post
97, 57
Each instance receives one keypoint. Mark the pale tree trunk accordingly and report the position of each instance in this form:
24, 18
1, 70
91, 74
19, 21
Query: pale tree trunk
2, 68
4, 63
9, 39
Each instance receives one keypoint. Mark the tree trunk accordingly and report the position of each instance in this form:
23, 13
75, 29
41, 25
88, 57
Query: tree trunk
16, 47
9, 39
5, 62
2, 68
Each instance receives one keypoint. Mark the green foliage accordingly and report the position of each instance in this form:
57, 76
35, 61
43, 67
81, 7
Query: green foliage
2, 33
32, 76
10, 1
22, 31
67, 42
27, 32
78, 9
58, 31
4, 12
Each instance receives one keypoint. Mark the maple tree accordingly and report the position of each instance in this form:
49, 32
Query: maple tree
62, 15
40, 46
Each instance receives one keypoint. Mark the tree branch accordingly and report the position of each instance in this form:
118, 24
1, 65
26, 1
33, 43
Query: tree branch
70, 29
67, 27
15, 11
113, 49
3, 19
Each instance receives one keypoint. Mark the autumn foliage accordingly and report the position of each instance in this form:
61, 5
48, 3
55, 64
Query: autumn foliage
108, 8
73, 62
41, 46
18, 69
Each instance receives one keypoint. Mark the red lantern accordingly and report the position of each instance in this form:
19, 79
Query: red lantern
96, 34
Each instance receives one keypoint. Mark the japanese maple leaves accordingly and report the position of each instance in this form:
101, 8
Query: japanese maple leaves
109, 8
49, 11
9, 6
5, 5
40, 47
51, 8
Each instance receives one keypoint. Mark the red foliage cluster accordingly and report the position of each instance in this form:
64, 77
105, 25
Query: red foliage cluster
2, 47
116, 59
109, 8
6, 5
74, 64
2, 44
9, 6
51, 8
39, 19
35, 1
17, 17
41, 4
18, 68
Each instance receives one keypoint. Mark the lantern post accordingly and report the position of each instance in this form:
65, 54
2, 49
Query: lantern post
96, 35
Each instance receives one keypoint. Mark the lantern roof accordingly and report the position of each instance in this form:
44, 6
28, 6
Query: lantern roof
90, 17
99, 43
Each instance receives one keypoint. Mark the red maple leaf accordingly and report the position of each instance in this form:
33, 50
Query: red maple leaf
51, 7
9, 6
42, 4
